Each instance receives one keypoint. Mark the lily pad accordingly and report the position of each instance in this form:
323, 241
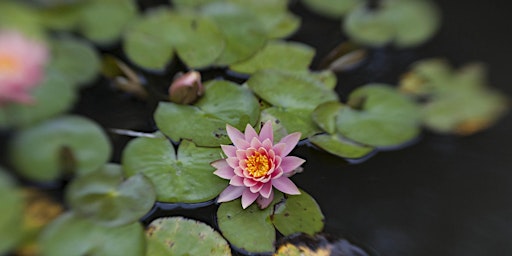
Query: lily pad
75, 59
180, 237
70, 235
278, 55
368, 27
185, 176
325, 115
11, 216
250, 229
290, 120
243, 32
332, 8
337, 145
105, 197
21, 17
56, 146
379, 116
53, 96
205, 123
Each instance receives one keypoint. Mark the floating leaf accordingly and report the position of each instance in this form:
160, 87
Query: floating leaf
11, 216
332, 8
318, 245
70, 235
61, 17
21, 17
278, 55
337, 145
105, 197
75, 59
185, 176
325, 115
379, 116
53, 96
291, 120
249, 229
68, 143
368, 27
243, 33
298, 213
180, 237
205, 123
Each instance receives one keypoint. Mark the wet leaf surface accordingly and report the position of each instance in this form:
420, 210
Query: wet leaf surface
185, 176
179, 236
342, 147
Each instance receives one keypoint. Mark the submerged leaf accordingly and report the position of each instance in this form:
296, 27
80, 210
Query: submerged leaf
181, 237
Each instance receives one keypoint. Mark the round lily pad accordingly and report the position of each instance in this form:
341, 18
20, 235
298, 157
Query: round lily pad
332, 8
21, 17
105, 197
53, 96
291, 120
379, 116
337, 145
205, 123
70, 235
11, 216
180, 237
278, 55
64, 144
298, 213
368, 27
185, 176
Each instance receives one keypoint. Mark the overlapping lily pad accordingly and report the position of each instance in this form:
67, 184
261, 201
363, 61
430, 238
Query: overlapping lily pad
70, 235
290, 214
278, 55
205, 122
290, 120
11, 216
402, 22
180, 237
332, 8
379, 116
105, 197
183, 176
61, 145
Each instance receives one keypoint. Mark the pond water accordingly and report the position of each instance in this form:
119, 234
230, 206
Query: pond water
441, 195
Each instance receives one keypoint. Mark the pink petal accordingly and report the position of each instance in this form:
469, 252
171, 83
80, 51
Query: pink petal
238, 171
223, 169
234, 133
266, 132
265, 202
267, 144
256, 188
290, 141
240, 143
248, 198
290, 163
248, 182
250, 133
232, 161
230, 193
229, 150
285, 185
237, 181
266, 190
255, 143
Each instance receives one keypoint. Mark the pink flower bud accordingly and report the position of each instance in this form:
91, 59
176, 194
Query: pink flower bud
187, 88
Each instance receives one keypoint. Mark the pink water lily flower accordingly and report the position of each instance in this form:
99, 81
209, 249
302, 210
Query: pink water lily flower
21, 66
254, 165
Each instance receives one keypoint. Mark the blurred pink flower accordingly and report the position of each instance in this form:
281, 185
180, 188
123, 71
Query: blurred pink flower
21, 66
254, 165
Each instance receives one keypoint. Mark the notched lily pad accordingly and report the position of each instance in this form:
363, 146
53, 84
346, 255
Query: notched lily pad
205, 122
57, 146
179, 236
70, 235
379, 116
105, 197
185, 176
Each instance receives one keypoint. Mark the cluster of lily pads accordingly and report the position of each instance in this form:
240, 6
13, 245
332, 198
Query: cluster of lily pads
104, 202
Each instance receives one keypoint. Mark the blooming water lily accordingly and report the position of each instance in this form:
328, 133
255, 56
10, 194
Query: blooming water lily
254, 165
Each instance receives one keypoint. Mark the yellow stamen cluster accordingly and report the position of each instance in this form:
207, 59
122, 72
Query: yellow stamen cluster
258, 165
8, 64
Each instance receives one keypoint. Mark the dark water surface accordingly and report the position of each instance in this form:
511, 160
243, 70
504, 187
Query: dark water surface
443, 195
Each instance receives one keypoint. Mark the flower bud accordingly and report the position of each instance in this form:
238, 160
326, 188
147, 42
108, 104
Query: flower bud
187, 88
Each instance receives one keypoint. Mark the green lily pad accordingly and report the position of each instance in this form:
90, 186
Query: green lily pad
70, 235
332, 8
103, 21
205, 123
75, 59
379, 116
278, 55
61, 17
21, 17
180, 237
368, 27
325, 115
290, 89
290, 120
342, 147
54, 95
68, 143
298, 214
11, 216
250, 229
243, 33
185, 176
105, 197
